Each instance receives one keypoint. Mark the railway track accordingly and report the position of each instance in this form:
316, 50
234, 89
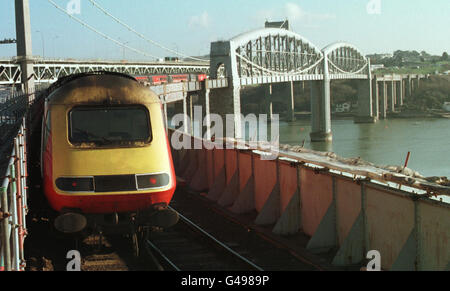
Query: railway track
187, 247
203, 240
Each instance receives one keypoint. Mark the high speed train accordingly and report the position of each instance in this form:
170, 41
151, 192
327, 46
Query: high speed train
105, 156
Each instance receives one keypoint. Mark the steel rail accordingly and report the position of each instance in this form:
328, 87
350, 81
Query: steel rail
216, 241
161, 254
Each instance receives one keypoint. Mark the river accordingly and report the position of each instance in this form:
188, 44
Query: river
386, 142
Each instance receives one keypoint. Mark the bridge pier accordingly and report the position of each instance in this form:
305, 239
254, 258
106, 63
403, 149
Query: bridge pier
223, 102
376, 98
291, 106
268, 101
390, 95
205, 96
284, 92
415, 83
24, 48
399, 93
365, 103
237, 112
383, 99
320, 111
408, 86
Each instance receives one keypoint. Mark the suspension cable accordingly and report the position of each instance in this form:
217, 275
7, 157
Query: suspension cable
141, 35
101, 33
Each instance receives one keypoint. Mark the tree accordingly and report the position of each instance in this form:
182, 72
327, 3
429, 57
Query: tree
444, 56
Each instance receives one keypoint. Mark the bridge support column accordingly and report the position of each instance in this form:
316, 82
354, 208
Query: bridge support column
226, 102
268, 101
320, 111
205, 94
390, 95
399, 92
365, 103
291, 108
415, 83
408, 86
383, 99
237, 112
187, 125
24, 48
376, 98
283, 93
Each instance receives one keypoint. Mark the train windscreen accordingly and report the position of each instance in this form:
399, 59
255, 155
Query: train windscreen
109, 125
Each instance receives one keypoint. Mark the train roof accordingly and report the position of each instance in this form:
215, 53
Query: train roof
100, 88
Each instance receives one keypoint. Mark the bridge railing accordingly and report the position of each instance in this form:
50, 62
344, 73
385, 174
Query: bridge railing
13, 178
345, 210
13, 206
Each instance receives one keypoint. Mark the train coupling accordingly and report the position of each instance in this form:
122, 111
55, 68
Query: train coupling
159, 216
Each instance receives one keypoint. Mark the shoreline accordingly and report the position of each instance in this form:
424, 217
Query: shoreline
392, 115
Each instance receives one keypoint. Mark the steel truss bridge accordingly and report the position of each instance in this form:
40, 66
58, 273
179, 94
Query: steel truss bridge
273, 55
49, 71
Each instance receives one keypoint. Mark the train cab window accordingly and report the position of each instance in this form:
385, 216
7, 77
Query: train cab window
109, 125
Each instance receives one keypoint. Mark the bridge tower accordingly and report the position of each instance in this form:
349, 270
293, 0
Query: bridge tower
24, 49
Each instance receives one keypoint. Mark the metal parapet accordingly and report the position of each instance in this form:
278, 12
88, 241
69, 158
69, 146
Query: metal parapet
13, 206
342, 212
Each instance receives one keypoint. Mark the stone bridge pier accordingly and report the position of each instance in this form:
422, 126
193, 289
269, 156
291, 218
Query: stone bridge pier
383, 95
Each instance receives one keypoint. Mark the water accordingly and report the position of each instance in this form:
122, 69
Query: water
384, 143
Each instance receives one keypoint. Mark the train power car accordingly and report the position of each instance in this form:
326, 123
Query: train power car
105, 155
178, 78
158, 80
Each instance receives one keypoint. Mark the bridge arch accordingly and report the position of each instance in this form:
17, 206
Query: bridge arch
267, 52
345, 59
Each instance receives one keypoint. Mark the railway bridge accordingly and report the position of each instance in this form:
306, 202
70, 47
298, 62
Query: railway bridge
275, 58
342, 210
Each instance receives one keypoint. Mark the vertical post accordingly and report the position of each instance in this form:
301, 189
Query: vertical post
19, 198
390, 95
24, 48
191, 114
268, 102
186, 124
383, 97
292, 105
208, 112
15, 219
237, 111
408, 86
399, 92
321, 107
321, 131
376, 97
365, 101
6, 246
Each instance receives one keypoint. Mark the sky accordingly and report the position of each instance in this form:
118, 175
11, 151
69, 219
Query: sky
189, 26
